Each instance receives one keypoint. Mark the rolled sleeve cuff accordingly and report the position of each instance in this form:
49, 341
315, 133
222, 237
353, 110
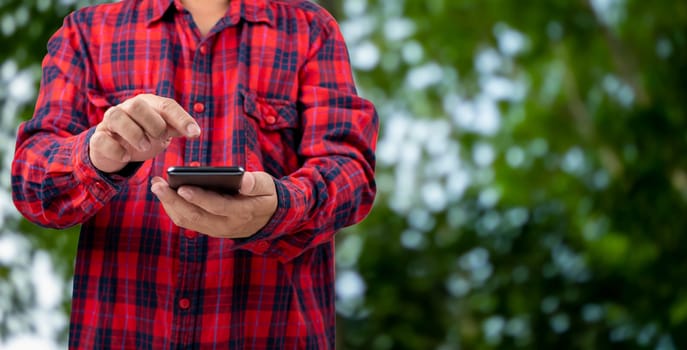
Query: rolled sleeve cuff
101, 186
283, 221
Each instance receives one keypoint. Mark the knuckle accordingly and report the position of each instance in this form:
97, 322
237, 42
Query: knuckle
120, 152
158, 130
166, 104
137, 105
100, 139
112, 113
114, 147
116, 118
97, 138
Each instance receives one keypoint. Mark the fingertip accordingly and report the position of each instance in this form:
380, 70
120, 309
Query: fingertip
247, 183
192, 130
156, 188
157, 185
156, 179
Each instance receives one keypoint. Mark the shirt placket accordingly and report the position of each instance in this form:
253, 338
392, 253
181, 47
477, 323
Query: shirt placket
193, 247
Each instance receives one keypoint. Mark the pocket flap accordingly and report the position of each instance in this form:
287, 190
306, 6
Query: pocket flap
270, 113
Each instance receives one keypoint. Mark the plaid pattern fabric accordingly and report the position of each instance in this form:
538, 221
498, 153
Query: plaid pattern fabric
272, 89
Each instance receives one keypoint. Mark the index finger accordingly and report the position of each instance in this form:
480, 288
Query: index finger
179, 121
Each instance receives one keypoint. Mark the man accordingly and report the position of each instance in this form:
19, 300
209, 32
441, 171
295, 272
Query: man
133, 87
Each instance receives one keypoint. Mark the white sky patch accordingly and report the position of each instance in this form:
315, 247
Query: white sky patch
412, 239
515, 156
664, 48
412, 52
611, 12
574, 161
349, 285
434, 196
489, 197
348, 250
388, 151
619, 90
480, 115
11, 247
354, 8
21, 88
365, 56
8, 70
357, 28
48, 286
458, 286
28, 341
439, 140
510, 41
398, 29
503, 89
47, 319
456, 185
483, 154
424, 76
488, 61
493, 328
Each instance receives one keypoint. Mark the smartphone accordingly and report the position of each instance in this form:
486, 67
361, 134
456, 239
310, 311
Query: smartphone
218, 179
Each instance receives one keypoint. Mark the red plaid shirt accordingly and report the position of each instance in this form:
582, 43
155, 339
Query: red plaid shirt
272, 89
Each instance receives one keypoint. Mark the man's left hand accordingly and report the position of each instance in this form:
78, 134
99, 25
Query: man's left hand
221, 215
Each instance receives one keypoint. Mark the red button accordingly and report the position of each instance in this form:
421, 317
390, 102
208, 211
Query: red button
203, 49
191, 234
184, 303
100, 187
199, 107
195, 163
262, 246
270, 119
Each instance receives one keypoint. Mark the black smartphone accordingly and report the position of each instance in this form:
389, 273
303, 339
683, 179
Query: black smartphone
214, 178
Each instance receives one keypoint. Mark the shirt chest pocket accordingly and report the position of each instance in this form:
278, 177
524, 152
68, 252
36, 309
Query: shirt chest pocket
270, 133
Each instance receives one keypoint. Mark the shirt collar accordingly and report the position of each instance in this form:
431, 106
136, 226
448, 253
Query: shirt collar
248, 10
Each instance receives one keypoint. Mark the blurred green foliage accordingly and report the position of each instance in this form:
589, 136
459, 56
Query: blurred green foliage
531, 173
569, 231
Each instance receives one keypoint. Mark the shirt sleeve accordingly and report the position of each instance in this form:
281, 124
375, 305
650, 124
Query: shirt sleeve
54, 183
335, 187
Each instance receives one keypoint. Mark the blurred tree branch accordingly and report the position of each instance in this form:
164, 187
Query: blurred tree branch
624, 60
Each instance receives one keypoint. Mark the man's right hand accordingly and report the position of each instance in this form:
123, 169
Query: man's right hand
137, 130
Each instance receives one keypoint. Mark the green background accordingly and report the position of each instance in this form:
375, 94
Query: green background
531, 171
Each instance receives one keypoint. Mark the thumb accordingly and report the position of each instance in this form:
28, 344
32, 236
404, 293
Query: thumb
257, 184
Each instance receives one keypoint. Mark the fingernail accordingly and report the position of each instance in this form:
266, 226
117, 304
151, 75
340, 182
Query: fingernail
155, 188
185, 193
193, 130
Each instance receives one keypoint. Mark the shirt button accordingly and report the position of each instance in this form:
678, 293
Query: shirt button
270, 119
203, 49
191, 234
194, 164
262, 246
100, 187
199, 107
184, 303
